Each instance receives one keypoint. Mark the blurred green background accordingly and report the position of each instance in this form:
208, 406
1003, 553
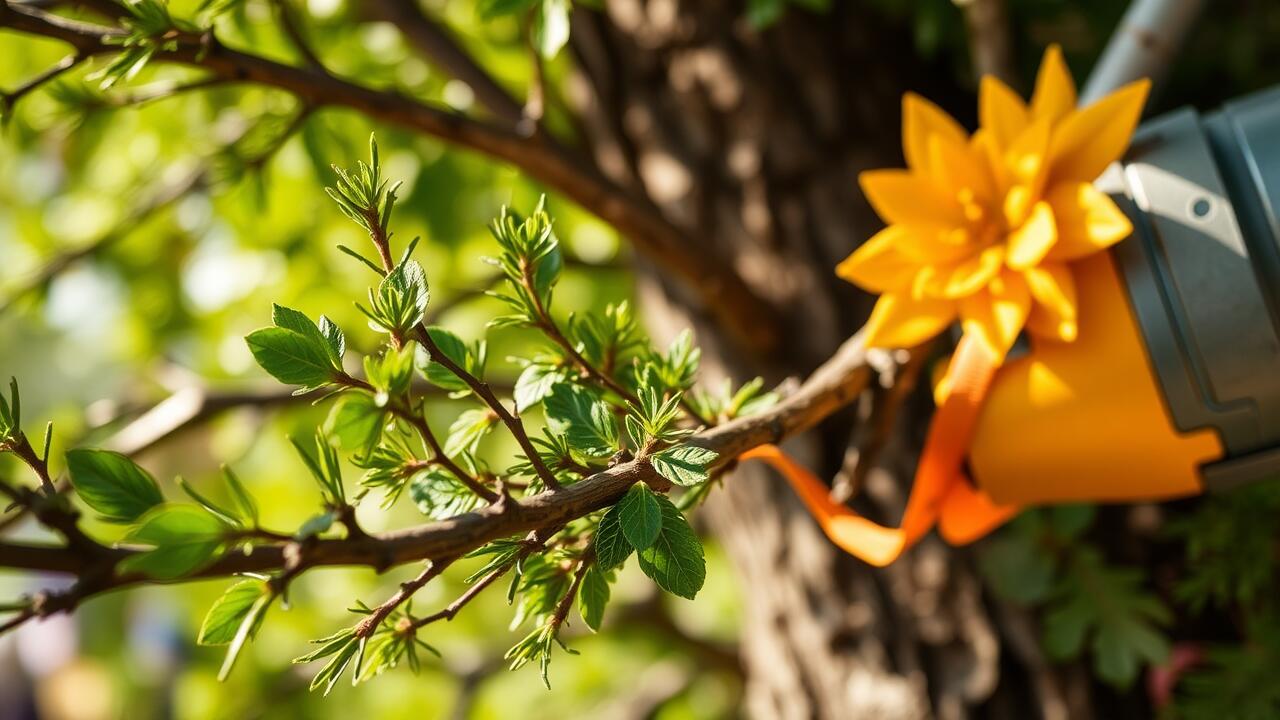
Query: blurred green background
166, 305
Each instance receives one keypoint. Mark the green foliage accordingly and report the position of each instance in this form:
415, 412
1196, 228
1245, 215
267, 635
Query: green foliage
640, 516
593, 596
675, 560
612, 546
296, 351
149, 25
400, 301
363, 194
112, 485
1236, 682
10, 412
184, 538
530, 262
439, 495
325, 469
1109, 607
585, 419
684, 464
1042, 559
228, 613
654, 419
470, 358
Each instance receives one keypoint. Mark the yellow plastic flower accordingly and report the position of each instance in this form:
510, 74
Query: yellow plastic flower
984, 228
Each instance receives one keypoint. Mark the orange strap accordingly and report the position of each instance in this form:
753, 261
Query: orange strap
940, 492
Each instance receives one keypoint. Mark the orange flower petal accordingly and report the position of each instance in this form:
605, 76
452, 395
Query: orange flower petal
878, 265
921, 121
962, 171
1055, 93
996, 314
900, 196
1088, 221
1054, 290
1032, 241
1001, 112
1089, 140
965, 278
931, 244
898, 321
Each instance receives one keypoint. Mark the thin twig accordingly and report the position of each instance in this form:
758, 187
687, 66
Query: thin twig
990, 44
831, 387
292, 27
11, 98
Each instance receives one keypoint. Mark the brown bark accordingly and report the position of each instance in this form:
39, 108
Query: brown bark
752, 141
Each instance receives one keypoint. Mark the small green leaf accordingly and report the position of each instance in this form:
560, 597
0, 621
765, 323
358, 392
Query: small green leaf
468, 430
612, 547
535, 384
244, 501
684, 464
640, 515
675, 560
357, 422
295, 320
593, 596
291, 357
588, 421
112, 484
185, 539
315, 525
440, 496
228, 612
335, 340
456, 350
248, 628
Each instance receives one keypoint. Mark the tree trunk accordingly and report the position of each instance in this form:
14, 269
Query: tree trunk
752, 140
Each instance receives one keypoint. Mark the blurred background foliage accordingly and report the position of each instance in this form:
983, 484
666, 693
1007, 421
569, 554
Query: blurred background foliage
164, 304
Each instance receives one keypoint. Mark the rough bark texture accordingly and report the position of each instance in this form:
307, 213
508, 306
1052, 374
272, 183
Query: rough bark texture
752, 141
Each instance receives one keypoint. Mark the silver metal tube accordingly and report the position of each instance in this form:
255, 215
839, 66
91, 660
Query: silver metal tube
1148, 39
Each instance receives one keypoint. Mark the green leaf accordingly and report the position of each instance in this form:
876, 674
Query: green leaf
551, 27
244, 501
612, 547
185, 539
456, 350
684, 464
440, 496
315, 525
675, 560
535, 384
210, 506
593, 596
357, 422
334, 339
112, 484
468, 430
295, 320
291, 357
249, 625
1109, 605
640, 515
228, 612
587, 420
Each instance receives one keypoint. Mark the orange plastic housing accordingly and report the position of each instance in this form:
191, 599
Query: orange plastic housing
1085, 421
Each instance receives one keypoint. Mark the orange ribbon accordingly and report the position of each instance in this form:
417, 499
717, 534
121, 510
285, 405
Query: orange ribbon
941, 494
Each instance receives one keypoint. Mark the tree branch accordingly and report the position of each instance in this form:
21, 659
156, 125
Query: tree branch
436, 44
831, 387
724, 293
